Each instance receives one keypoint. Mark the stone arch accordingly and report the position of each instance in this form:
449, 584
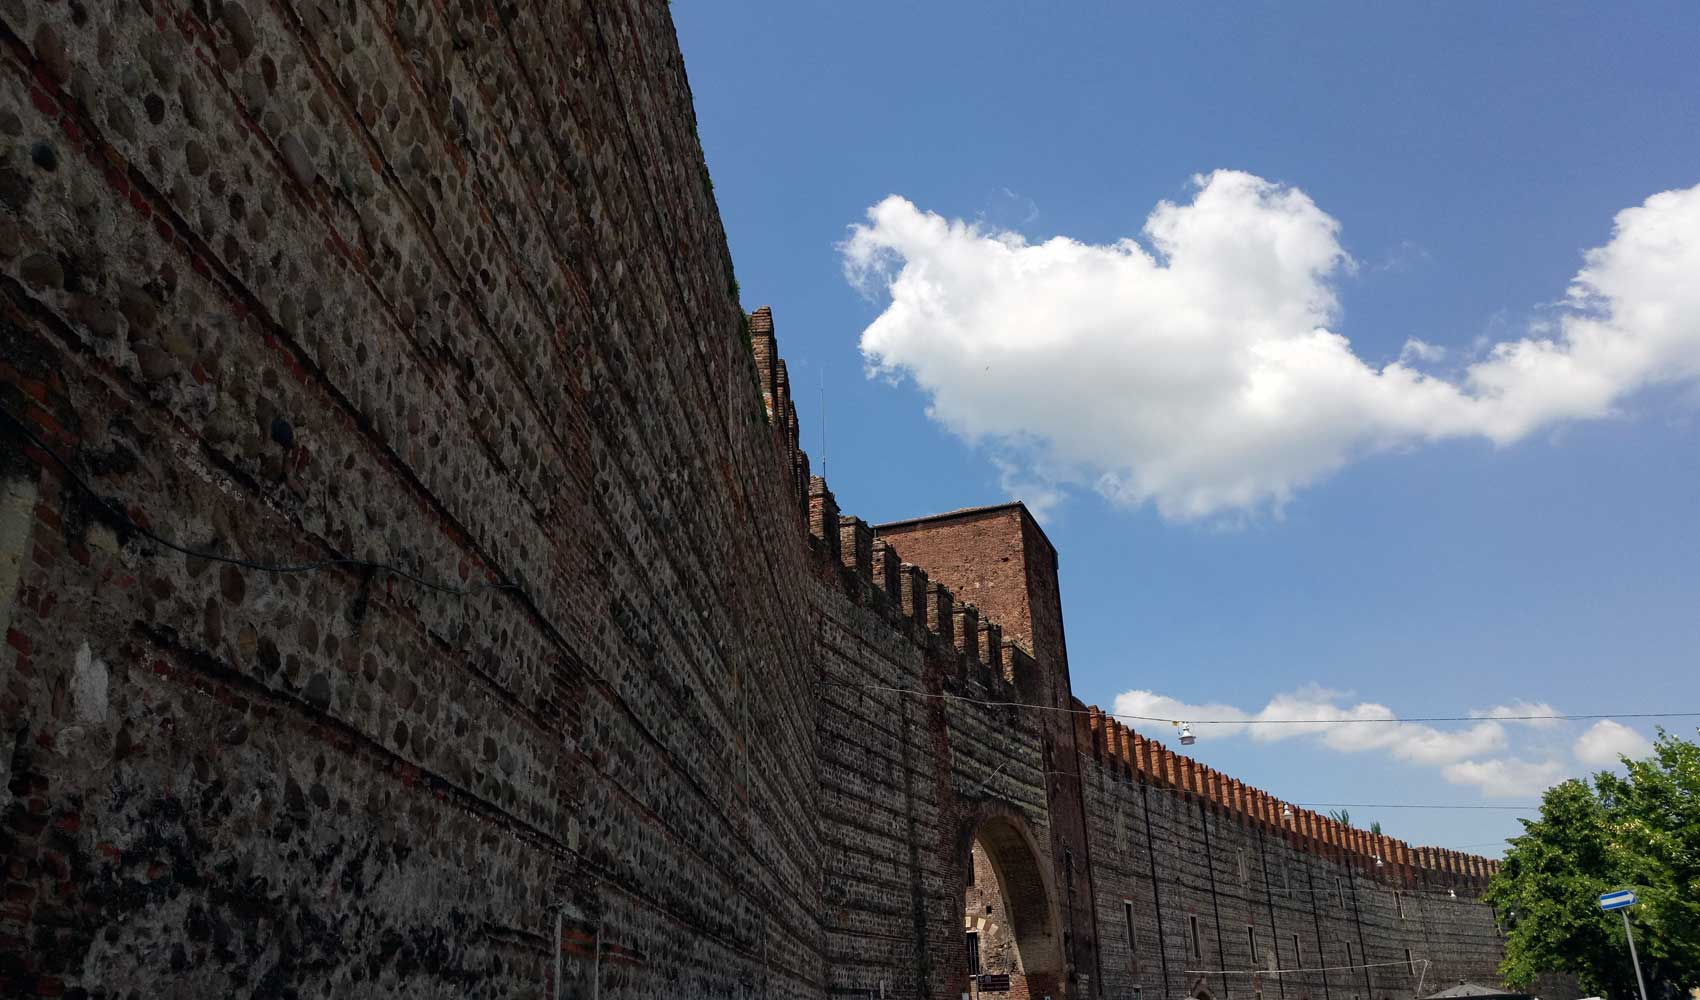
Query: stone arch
1025, 880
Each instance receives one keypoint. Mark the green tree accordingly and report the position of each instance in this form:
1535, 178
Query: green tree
1638, 831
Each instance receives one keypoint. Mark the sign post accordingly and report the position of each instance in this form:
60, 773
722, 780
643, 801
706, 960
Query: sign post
1623, 899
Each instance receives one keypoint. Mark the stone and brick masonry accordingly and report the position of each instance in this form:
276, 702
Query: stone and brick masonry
515, 651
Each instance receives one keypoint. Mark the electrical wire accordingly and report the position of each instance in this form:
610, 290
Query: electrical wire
116, 510
1337, 805
1410, 805
1167, 720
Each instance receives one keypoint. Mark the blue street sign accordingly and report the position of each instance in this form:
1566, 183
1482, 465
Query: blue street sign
1617, 900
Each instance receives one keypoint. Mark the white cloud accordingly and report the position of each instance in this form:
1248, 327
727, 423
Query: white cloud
1198, 371
1507, 777
1321, 711
1420, 351
1605, 741
1479, 754
1041, 495
1524, 713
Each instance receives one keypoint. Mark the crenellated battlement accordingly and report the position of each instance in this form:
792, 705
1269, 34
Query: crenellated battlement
876, 562
1125, 754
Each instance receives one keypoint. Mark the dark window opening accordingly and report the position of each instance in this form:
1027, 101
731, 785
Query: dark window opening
1410, 966
973, 953
1251, 937
1197, 947
1132, 943
1298, 955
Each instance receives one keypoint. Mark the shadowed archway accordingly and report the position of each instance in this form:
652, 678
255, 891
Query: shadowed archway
1010, 919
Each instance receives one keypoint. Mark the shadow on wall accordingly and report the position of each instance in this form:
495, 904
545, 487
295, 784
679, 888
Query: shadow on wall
1012, 947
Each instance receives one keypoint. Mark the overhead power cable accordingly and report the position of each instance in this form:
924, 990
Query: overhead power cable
1409, 805
114, 509
1336, 805
1171, 721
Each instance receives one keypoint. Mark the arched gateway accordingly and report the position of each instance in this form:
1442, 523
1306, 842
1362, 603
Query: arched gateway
1011, 939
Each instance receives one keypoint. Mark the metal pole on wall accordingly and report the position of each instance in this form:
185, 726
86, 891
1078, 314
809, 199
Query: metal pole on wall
1633, 958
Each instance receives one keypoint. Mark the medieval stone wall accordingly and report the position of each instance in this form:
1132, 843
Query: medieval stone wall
1175, 858
905, 781
439, 286
1196, 885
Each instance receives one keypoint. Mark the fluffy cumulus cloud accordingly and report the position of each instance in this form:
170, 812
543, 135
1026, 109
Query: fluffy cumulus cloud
1506, 777
1197, 369
1504, 755
1321, 715
1606, 741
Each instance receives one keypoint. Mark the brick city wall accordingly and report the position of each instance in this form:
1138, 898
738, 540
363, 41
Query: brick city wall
1204, 848
436, 285
516, 652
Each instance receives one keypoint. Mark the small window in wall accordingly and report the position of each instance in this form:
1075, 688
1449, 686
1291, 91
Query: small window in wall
973, 953
1241, 856
1351, 963
1340, 887
1410, 966
1132, 942
1251, 938
1197, 945
1399, 905
1298, 955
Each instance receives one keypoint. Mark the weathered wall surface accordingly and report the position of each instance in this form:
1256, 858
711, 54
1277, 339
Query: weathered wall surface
1197, 885
516, 653
1176, 857
437, 285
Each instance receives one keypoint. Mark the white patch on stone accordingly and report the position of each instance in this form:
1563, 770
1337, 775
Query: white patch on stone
88, 686
17, 514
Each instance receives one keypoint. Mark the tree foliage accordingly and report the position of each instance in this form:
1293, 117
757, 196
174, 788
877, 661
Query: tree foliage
1638, 831
1344, 818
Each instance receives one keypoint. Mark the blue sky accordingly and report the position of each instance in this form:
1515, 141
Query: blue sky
1435, 174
